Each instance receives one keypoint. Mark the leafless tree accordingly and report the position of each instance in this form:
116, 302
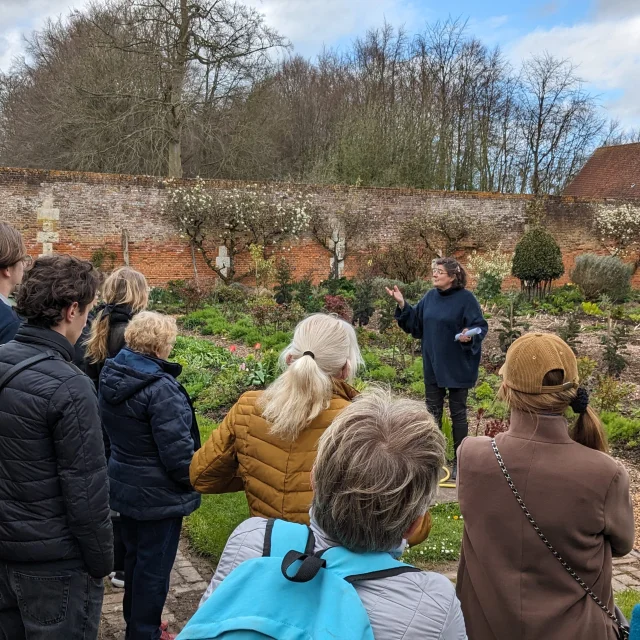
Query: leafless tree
342, 230
558, 121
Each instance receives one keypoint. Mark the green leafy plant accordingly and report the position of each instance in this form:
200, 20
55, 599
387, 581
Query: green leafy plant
610, 393
537, 261
384, 373
284, 288
621, 429
592, 309
103, 259
363, 307
615, 348
602, 275
489, 286
586, 368
570, 331
305, 296
511, 327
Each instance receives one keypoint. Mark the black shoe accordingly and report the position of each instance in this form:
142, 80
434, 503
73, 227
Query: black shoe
454, 471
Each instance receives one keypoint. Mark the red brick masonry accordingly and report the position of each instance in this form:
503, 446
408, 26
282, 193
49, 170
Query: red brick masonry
80, 213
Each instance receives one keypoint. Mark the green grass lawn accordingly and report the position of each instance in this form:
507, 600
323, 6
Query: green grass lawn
626, 600
210, 526
443, 543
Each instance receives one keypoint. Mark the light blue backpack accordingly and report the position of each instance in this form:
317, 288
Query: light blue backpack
292, 593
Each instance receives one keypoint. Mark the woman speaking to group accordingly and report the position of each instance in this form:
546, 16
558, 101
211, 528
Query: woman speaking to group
449, 322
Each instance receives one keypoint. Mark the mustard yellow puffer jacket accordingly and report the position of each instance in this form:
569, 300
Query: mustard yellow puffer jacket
275, 474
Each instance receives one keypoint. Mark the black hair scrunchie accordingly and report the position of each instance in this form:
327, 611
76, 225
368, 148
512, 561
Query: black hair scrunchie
580, 403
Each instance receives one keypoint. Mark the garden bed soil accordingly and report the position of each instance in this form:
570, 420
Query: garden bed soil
590, 345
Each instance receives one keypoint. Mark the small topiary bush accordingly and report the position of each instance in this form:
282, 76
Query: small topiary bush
602, 275
537, 261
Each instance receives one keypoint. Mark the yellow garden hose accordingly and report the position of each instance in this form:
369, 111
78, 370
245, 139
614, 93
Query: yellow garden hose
443, 483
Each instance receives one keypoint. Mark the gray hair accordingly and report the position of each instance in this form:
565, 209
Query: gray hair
376, 471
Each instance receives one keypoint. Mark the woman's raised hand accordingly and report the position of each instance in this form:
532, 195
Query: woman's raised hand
396, 295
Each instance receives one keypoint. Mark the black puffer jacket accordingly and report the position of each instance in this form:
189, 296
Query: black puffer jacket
119, 317
54, 492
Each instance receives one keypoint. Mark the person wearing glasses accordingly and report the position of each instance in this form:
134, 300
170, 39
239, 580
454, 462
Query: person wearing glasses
449, 322
13, 262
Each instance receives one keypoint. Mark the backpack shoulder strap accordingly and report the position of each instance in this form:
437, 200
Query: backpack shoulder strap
25, 364
354, 567
281, 537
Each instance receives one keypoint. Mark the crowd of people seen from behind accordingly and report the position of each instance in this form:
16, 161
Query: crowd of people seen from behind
101, 460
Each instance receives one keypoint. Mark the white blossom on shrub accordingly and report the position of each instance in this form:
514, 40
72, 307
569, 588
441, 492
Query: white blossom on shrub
494, 262
236, 218
618, 227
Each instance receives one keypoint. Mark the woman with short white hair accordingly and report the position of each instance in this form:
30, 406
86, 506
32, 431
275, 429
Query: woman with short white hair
374, 478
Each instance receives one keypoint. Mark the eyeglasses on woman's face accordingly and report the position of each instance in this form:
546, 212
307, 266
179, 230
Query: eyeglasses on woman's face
439, 272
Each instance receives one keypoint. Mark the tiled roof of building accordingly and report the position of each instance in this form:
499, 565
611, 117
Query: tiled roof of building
611, 172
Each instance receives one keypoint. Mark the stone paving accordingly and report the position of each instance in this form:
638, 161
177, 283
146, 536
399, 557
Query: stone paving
626, 572
187, 583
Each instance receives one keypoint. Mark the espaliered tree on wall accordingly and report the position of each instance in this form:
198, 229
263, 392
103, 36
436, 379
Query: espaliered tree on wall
341, 231
537, 262
236, 219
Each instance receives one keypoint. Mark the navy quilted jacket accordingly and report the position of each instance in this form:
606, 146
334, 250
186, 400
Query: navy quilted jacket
9, 323
153, 434
54, 494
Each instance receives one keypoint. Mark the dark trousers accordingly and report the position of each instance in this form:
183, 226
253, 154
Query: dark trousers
457, 407
151, 551
42, 603
119, 550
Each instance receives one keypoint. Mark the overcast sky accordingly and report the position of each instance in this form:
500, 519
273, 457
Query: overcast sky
602, 37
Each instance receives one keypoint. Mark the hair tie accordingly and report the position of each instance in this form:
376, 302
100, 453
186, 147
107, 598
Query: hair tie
309, 353
580, 403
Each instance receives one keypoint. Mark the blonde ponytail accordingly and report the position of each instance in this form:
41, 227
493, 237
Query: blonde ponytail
321, 348
124, 286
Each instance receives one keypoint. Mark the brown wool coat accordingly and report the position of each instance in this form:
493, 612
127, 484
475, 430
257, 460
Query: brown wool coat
509, 584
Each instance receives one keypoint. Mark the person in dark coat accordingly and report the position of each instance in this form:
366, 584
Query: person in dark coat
125, 292
13, 261
153, 432
449, 365
56, 543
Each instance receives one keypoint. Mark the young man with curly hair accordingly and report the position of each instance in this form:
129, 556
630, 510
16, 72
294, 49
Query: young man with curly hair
56, 542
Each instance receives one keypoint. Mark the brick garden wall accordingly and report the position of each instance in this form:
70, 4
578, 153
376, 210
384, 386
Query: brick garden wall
81, 213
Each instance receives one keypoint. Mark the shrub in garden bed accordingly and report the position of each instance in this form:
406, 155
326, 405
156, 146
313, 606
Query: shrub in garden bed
621, 430
602, 275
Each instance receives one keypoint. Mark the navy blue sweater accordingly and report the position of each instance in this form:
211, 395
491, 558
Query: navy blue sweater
436, 320
153, 434
9, 323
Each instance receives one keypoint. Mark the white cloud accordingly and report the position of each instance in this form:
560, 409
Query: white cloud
617, 8
607, 54
310, 24
18, 18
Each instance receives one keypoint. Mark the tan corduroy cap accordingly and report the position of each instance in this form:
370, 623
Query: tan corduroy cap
532, 356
